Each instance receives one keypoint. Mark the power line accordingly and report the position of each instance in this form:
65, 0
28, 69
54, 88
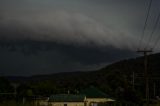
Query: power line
154, 28
156, 42
145, 24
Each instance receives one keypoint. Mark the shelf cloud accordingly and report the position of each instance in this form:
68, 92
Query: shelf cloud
49, 36
63, 27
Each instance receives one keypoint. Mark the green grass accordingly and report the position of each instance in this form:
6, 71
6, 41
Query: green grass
13, 103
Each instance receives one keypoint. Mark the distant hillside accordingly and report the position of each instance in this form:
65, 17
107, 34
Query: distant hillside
115, 79
137, 65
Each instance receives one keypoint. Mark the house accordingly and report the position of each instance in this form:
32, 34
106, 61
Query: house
67, 100
95, 97
87, 97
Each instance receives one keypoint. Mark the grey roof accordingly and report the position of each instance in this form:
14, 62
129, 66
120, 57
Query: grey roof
66, 98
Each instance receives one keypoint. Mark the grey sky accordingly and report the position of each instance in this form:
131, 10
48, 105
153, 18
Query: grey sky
107, 19
87, 24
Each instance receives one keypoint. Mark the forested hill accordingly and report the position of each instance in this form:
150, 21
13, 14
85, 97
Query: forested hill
115, 79
137, 66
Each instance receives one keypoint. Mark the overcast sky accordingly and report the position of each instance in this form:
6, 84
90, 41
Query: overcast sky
49, 36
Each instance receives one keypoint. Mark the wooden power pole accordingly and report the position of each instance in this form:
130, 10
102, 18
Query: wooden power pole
133, 80
145, 53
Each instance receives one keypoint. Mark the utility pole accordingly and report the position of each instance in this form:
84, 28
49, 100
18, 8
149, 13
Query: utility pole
154, 89
133, 79
15, 85
145, 53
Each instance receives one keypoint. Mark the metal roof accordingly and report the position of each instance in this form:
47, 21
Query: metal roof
66, 98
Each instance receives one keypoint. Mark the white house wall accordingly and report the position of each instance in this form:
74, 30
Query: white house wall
95, 101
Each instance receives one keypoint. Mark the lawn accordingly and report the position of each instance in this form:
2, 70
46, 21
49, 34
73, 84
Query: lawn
13, 103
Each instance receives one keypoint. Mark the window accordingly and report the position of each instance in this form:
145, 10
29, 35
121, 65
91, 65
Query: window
94, 104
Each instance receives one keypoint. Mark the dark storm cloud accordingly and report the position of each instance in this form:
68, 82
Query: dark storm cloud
84, 34
60, 58
65, 27
103, 23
